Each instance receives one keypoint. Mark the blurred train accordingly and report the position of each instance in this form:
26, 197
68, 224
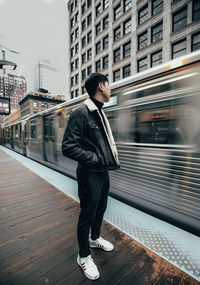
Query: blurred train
155, 118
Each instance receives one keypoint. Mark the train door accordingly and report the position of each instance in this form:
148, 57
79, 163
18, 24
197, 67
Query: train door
50, 153
11, 136
24, 137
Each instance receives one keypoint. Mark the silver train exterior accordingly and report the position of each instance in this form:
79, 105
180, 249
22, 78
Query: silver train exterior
155, 118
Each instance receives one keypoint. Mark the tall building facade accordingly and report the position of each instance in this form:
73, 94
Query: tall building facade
122, 38
13, 87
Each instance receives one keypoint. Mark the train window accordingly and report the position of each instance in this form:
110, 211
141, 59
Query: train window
33, 129
172, 124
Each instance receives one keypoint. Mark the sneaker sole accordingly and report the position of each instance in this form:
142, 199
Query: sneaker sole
105, 249
89, 277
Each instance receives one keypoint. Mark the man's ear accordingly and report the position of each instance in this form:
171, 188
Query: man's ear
100, 86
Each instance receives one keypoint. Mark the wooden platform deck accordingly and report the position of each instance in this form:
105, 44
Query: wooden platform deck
38, 239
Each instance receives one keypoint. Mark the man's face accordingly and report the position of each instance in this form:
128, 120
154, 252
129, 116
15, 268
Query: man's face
105, 91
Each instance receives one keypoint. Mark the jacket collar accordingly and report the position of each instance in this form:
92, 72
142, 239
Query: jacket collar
90, 104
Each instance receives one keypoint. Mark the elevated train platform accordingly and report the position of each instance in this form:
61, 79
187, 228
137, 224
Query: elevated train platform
39, 211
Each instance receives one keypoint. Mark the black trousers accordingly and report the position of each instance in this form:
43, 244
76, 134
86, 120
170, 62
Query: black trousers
93, 188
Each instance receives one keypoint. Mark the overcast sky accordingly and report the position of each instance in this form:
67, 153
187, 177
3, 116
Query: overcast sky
37, 29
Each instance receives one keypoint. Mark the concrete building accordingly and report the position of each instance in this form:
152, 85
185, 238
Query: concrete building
13, 87
48, 77
122, 38
35, 102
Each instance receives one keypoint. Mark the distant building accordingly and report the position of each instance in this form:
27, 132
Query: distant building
13, 87
35, 102
122, 38
46, 77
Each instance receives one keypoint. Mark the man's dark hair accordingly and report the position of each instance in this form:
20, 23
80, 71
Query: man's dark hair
93, 81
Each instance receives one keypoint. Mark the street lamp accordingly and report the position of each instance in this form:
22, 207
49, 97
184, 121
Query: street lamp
7, 65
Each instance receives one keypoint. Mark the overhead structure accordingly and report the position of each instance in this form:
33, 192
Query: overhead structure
7, 65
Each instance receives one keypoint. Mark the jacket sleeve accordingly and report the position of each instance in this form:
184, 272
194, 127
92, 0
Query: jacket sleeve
73, 145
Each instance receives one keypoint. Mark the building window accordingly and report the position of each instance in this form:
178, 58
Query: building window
105, 22
83, 41
117, 33
76, 92
127, 26
142, 40
83, 8
196, 41
76, 63
89, 54
76, 48
89, 70
83, 74
116, 75
156, 32
156, 58
98, 9
76, 33
76, 17
143, 14
72, 94
72, 51
105, 4
98, 47
72, 22
117, 12
72, 37
77, 78
179, 49
196, 10
89, 3
83, 90
35, 104
72, 7
44, 105
127, 5
89, 37
35, 111
180, 19
127, 49
83, 24
89, 19
116, 55
126, 71
105, 42
157, 6
142, 64
83, 57
98, 29
72, 66
105, 62
72, 81
98, 66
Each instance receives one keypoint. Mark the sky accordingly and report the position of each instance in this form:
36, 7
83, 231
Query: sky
37, 30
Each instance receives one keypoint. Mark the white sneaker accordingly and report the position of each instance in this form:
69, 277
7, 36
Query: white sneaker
101, 243
88, 266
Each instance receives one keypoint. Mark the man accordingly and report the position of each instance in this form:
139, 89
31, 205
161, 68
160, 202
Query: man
88, 139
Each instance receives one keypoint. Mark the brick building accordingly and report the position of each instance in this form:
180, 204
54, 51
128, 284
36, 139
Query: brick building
13, 87
35, 102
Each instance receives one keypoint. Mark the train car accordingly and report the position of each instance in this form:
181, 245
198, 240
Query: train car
155, 118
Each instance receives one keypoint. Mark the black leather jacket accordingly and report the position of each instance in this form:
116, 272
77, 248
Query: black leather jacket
86, 141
